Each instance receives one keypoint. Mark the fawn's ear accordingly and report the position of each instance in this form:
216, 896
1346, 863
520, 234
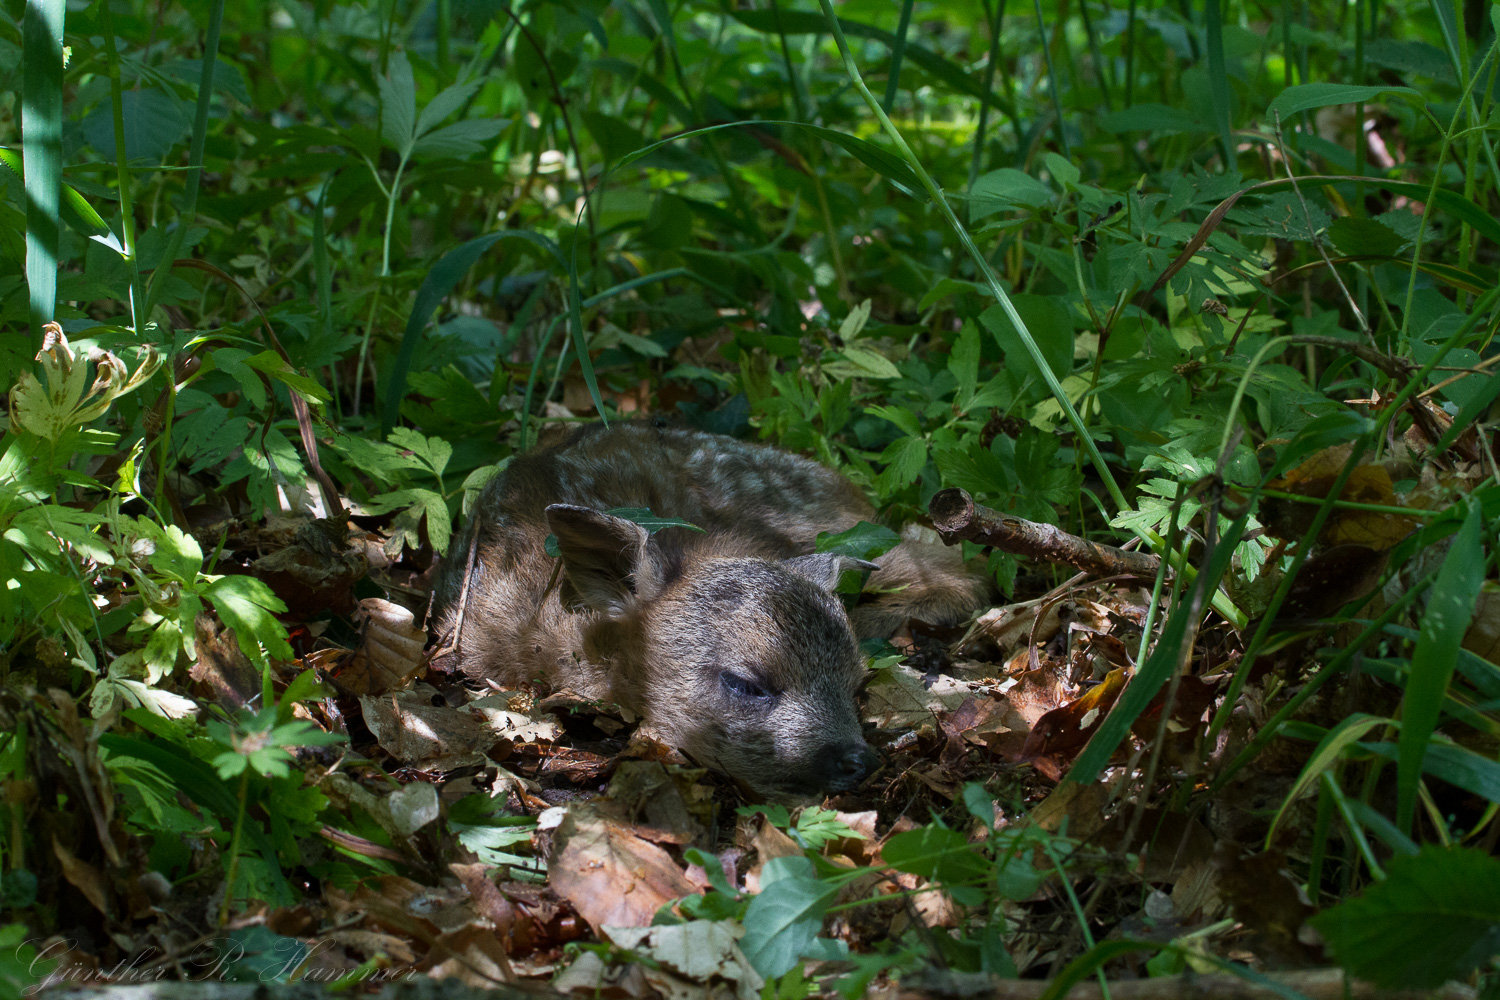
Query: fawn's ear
825, 568
609, 564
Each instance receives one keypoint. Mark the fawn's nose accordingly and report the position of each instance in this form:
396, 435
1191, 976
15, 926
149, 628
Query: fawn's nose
858, 763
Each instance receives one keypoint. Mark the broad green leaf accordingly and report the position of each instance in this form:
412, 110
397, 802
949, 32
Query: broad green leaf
1004, 189
936, 853
1049, 324
41, 123
863, 541
782, 921
651, 522
448, 100
1152, 118
1307, 96
963, 362
1436, 917
1450, 608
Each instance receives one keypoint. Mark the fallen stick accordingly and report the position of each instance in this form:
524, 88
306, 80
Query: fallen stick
957, 518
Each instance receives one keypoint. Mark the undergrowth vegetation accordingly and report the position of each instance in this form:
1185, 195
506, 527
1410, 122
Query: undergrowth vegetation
283, 283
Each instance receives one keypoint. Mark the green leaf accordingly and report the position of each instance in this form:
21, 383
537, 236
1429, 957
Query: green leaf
398, 103
1307, 96
1329, 750
863, 362
249, 607
1152, 118
1355, 236
41, 123
936, 853
434, 452
964, 363
781, 922
1004, 189
1049, 324
448, 100
440, 280
461, 139
1450, 608
863, 541
74, 208
1436, 917
651, 522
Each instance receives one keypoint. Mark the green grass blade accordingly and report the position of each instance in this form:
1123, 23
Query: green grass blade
1449, 612
195, 160
893, 79
41, 128
1218, 77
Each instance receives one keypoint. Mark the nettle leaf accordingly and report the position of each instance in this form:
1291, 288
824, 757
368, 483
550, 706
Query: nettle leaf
782, 923
1435, 917
863, 541
249, 607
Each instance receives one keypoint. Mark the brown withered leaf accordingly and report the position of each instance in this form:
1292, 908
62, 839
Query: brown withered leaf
1314, 479
1062, 732
611, 876
419, 734
84, 877
317, 571
390, 653
1332, 578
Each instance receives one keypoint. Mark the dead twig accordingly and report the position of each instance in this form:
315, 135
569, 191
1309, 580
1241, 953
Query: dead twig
957, 518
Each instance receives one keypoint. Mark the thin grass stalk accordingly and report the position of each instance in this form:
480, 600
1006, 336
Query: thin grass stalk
898, 52
996, 18
1218, 77
122, 170
41, 130
1130, 19
195, 160
1055, 94
1095, 54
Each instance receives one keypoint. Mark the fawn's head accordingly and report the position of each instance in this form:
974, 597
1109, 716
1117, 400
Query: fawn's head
748, 665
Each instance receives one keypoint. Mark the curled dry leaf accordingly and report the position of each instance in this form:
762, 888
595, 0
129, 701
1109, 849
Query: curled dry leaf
391, 653
611, 876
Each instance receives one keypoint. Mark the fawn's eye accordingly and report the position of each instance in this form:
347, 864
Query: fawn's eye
743, 687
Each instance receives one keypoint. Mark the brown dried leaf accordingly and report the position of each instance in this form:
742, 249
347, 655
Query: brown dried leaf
1062, 732
391, 653
420, 734
84, 877
1314, 479
611, 876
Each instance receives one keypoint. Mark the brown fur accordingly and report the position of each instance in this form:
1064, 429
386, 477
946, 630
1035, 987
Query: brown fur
730, 641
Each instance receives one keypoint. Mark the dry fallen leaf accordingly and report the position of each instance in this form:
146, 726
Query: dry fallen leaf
610, 875
391, 653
